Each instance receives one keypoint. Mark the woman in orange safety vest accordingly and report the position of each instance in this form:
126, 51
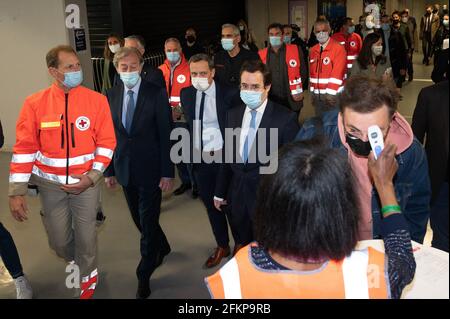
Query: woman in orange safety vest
306, 222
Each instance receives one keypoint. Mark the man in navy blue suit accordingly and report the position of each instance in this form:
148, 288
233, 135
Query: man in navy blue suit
141, 164
205, 105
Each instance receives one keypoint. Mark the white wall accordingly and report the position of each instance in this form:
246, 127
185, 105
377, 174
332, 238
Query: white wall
28, 29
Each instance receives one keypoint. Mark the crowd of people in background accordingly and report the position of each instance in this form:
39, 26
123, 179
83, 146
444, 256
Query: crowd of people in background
329, 190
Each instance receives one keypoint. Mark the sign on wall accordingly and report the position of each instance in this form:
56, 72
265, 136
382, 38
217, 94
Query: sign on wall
80, 40
298, 14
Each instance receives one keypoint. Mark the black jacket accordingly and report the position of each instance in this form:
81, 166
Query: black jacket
430, 119
193, 50
149, 73
226, 97
142, 156
238, 182
228, 69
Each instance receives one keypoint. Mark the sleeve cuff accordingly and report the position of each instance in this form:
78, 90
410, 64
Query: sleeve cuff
95, 176
393, 223
218, 198
17, 189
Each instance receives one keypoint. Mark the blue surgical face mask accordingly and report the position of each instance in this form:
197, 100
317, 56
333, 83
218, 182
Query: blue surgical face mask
227, 44
173, 57
275, 41
385, 26
73, 79
322, 37
351, 29
130, 79
287, 39
253, 99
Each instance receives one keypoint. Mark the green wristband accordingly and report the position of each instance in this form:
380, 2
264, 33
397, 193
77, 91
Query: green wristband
391, 209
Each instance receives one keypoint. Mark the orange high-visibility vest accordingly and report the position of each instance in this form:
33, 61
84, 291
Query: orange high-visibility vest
327, 69
359, 276
352, 44
181, 79
58, 135
293, 67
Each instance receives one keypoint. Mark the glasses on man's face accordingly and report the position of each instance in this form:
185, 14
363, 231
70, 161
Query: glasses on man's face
250, 87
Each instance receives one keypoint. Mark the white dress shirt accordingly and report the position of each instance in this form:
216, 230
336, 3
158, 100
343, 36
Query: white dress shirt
211, 135
135, 90
246, 124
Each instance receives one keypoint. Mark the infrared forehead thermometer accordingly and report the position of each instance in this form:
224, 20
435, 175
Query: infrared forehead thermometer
376, 140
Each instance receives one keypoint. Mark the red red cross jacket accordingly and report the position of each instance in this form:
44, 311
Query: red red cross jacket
293, 67
327, 68
181, 79
352, 44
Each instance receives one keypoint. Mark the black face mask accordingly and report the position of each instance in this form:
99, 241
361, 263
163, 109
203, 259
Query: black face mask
190, 38
358, 146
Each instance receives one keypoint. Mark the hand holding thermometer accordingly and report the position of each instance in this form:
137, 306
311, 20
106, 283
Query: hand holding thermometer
376, 140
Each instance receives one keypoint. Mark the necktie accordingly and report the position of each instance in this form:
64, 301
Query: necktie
202, 109
130, 111
250, 137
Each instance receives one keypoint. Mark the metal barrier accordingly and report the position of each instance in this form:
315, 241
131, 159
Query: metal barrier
155, 59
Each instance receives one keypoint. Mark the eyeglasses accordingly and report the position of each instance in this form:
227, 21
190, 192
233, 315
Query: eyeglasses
250, 87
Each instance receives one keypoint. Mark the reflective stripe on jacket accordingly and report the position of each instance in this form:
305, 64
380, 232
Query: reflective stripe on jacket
59, 135
359, 276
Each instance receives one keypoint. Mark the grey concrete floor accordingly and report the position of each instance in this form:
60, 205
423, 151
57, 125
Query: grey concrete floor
183, 219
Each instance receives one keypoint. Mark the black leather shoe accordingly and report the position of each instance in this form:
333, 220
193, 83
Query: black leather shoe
143, 291
180, 190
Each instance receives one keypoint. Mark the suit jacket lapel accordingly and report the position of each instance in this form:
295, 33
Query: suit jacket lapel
139, 105
220, 108
118, 101
264, 124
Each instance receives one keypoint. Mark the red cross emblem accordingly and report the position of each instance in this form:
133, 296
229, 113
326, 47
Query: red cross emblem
83, 123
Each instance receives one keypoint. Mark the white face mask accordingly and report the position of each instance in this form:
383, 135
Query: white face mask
200, 84
322, 37
370, 25
405, 19
114, 48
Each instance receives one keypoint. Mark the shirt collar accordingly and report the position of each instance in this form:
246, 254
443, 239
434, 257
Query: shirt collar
211, 91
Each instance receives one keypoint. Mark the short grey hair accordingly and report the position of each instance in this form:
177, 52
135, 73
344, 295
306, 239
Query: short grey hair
174, 40
202, 57
140, 40
236, 30
124, 52
322, 22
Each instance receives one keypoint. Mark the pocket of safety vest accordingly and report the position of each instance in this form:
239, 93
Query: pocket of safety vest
50, 122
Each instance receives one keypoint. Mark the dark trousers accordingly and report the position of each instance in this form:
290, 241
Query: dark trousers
410, 65
426, 46
439, 219
9, 254
145, 207
241, 221
206, 176
184, 170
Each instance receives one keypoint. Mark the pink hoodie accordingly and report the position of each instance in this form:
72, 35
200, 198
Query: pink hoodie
399, 134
